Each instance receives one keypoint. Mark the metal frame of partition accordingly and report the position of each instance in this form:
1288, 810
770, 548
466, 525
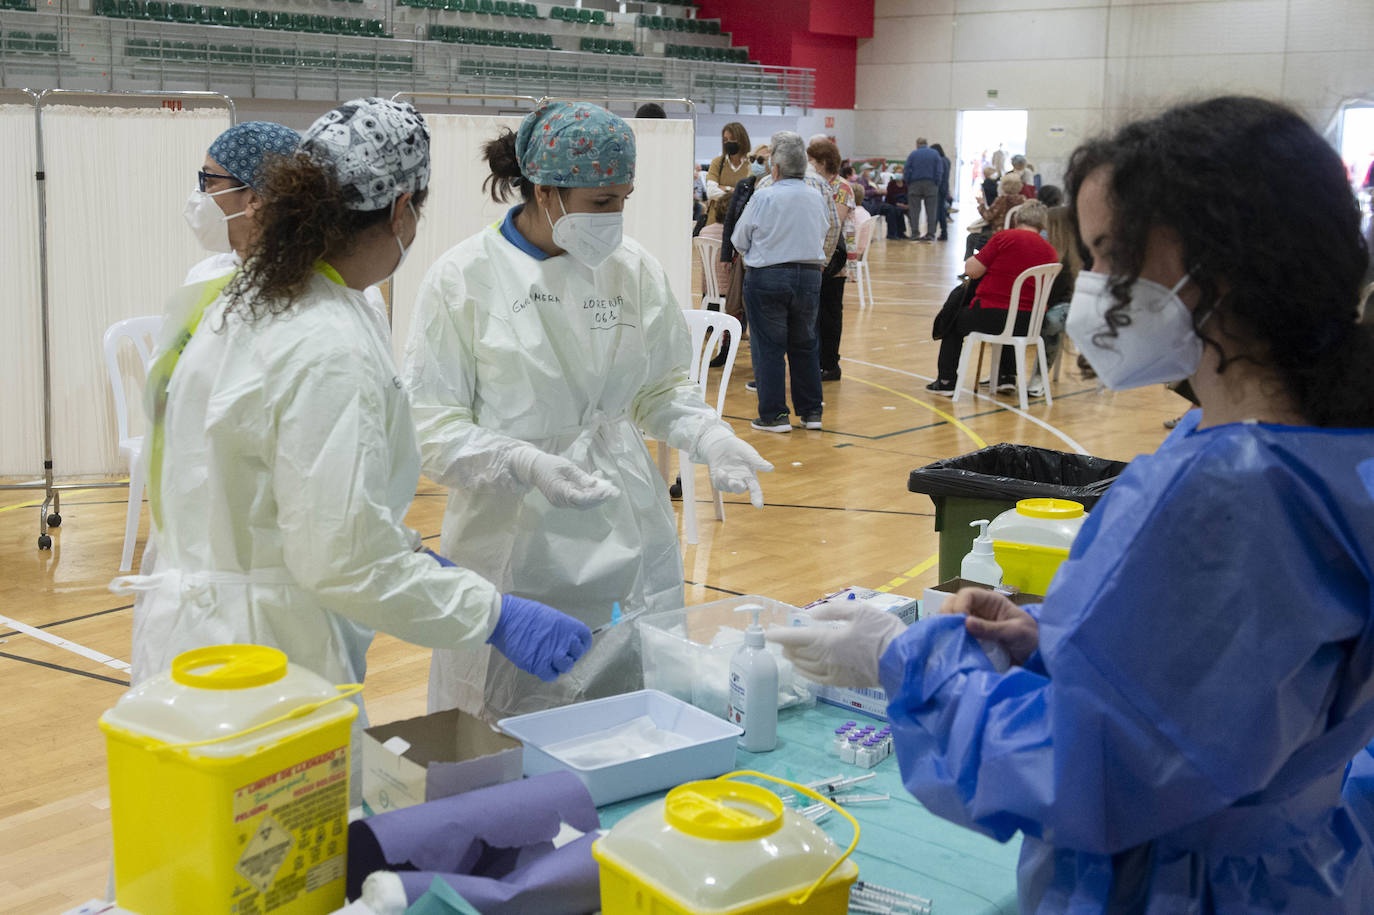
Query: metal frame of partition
52, 491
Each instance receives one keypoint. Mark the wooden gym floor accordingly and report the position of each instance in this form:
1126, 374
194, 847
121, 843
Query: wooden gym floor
838, 514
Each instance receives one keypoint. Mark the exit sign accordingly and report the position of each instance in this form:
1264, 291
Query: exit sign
829, 120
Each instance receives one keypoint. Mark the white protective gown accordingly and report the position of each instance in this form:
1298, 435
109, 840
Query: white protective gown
504, 349
289, 463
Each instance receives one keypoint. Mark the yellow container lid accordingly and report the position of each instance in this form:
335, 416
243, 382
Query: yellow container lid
229, 666
723, 810
1053, 509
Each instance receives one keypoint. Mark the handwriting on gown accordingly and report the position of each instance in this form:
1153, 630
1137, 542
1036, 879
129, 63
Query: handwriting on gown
604, 314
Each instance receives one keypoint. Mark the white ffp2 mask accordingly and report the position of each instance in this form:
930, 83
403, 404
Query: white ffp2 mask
589, 238
402, 245
1158, 346
208, 221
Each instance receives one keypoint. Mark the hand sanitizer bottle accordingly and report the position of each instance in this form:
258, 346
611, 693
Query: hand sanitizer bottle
979, 565
754, 688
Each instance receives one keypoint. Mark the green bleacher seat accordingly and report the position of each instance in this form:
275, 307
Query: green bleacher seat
281, 22
219, 15
598, 17
155, 9
584, 16
357, 26
556, 13
486, 7
530, 11
585, 44
176, 12
437, 33
319, 23
376, 28
338, 25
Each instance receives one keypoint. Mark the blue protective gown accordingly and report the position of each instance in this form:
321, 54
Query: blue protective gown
1205, 673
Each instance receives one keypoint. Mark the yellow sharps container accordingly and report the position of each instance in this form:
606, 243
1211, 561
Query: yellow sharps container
724, 847
1031, 540
229, 787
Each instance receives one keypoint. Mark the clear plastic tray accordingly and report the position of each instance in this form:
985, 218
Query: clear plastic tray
706, 744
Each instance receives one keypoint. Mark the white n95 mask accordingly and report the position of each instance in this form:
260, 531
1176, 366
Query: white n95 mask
1157, 347
208, 221
400, 244
589, 238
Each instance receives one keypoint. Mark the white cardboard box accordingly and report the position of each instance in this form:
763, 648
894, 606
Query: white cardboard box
934, 597
871, 702
421, 759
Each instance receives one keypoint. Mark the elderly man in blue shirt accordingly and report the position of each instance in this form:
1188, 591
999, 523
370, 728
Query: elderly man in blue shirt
781, 237
923, 169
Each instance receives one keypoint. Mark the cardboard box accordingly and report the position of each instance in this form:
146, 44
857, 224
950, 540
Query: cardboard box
871, 702
433, 756
934, 597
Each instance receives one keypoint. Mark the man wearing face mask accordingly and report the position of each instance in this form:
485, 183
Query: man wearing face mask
541, 349
282, 454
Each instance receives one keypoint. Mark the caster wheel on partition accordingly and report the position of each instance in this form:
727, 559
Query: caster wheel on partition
44, 542
54, 520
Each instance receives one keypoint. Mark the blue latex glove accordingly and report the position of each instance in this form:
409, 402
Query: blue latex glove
441, 560
539, 639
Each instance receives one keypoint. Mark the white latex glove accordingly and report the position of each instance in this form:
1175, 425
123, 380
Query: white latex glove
845, 655
561, 481
734, 465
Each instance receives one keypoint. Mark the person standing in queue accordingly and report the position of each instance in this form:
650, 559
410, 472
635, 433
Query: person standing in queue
1173, 728
541, 351
282, 453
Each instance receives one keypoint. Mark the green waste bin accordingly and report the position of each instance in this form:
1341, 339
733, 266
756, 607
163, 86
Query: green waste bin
985, 483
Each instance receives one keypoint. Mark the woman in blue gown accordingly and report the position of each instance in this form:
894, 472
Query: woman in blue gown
1173, 729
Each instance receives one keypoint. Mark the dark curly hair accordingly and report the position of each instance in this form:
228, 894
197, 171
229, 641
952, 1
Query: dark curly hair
1288, 253
303, 219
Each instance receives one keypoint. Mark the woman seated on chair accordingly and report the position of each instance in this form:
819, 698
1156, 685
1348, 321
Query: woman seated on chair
996, 266
995, 214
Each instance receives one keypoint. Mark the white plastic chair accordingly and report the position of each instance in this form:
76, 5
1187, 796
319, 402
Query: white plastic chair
1043, 278
140, 332
708, 252
706, 328
858, 262
1006, 223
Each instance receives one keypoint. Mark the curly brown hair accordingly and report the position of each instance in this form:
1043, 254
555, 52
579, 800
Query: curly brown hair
826, 154
304, 219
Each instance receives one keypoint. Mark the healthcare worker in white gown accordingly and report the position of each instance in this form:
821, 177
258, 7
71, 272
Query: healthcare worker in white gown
540, 348
282, 454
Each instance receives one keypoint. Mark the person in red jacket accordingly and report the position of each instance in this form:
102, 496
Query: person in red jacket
996, 266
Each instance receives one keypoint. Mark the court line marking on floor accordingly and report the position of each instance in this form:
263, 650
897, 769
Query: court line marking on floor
89, 653
66, 670
1008, 407
914, 572
34, 504
947, 417
73, 619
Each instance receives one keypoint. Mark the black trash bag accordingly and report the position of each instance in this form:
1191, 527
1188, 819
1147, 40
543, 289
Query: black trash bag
1013, 472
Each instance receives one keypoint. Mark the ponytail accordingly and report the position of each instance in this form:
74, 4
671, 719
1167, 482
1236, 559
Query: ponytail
504, 162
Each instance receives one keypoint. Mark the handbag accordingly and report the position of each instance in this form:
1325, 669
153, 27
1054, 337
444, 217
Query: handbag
734, 293
838, 260
958, 299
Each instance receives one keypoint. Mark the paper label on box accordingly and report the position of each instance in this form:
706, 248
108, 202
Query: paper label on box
291, 826
397, 745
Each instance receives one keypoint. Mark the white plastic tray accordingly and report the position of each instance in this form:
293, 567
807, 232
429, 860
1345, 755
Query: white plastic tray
710, 753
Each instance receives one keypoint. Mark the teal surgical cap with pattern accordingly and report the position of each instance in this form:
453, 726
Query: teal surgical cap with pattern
575, 144
240, 150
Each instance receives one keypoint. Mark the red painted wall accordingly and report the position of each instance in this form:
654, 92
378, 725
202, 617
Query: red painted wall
821, 34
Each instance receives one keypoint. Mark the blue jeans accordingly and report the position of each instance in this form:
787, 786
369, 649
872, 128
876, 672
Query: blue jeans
781, 302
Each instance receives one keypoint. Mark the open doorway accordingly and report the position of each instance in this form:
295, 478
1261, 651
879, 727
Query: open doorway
982, 134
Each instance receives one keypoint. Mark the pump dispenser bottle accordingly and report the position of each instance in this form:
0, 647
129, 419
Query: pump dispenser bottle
979, 564
754, 688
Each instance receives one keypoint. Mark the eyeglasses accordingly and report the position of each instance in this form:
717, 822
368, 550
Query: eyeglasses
202, 177
761, 160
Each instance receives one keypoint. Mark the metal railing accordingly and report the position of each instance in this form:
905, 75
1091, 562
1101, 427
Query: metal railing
45, 50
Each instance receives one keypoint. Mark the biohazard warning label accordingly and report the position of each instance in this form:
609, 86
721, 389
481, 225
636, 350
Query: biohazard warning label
268, 848
292, 828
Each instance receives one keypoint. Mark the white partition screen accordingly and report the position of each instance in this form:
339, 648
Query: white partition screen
21, 344
658, 215
118, 246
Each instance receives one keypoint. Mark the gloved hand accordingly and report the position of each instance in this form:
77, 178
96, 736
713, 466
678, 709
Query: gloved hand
993, 618
734, 465
539, 639
446, 563
561, 481
846, 655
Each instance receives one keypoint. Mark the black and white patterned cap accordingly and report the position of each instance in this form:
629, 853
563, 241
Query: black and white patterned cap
379, 148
